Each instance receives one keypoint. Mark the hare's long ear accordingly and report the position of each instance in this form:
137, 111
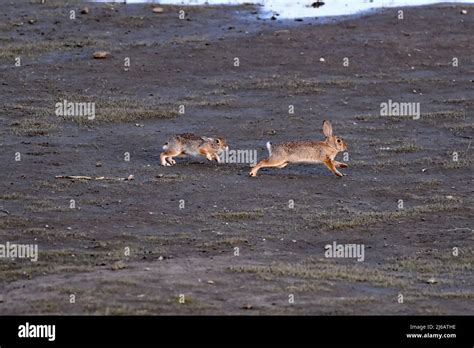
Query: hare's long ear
207, 139
327, 129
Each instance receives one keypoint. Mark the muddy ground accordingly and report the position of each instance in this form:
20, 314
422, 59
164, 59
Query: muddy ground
191, 251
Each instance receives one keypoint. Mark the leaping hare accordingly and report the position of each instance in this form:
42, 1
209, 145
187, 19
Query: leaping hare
194, 145
306, 152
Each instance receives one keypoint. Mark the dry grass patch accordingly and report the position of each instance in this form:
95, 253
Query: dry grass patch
429, 116
361, 218
11, 196
461, 163
230, 241
42, 205
436, 263
119, 110
12, 50
240, 215
34, 126
9, 222
428, 184
403, 148
323, 271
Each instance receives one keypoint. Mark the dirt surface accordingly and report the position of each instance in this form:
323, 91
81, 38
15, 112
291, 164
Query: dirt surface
191, 250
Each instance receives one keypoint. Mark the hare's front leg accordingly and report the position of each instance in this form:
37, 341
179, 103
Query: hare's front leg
332, 167
216, 157
208, 155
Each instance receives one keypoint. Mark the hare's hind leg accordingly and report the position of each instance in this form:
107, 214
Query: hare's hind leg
332, 167
340, 164
270, 162
166, 158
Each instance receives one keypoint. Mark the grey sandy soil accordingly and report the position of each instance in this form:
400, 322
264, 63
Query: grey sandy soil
192, 251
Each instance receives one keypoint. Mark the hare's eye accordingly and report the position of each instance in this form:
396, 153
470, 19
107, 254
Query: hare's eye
338, 140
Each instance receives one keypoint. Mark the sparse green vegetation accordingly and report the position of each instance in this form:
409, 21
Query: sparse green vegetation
240, 215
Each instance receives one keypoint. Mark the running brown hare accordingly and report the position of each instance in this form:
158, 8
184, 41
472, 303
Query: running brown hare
306, 151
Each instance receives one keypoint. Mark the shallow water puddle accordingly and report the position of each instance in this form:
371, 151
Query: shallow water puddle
304, 8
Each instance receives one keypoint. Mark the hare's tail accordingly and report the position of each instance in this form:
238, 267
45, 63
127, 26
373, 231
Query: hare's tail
165, 146
269, 148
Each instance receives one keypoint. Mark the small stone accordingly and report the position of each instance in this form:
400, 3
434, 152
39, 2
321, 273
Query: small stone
158, 9
101, 54
98, 164
160, 258
210, 282
322, 60
432, 280
317, 4
247, 306
463, 12
85, 10
118, 265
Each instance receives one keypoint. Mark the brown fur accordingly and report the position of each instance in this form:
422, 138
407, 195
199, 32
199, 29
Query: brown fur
306, 151
194, 145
